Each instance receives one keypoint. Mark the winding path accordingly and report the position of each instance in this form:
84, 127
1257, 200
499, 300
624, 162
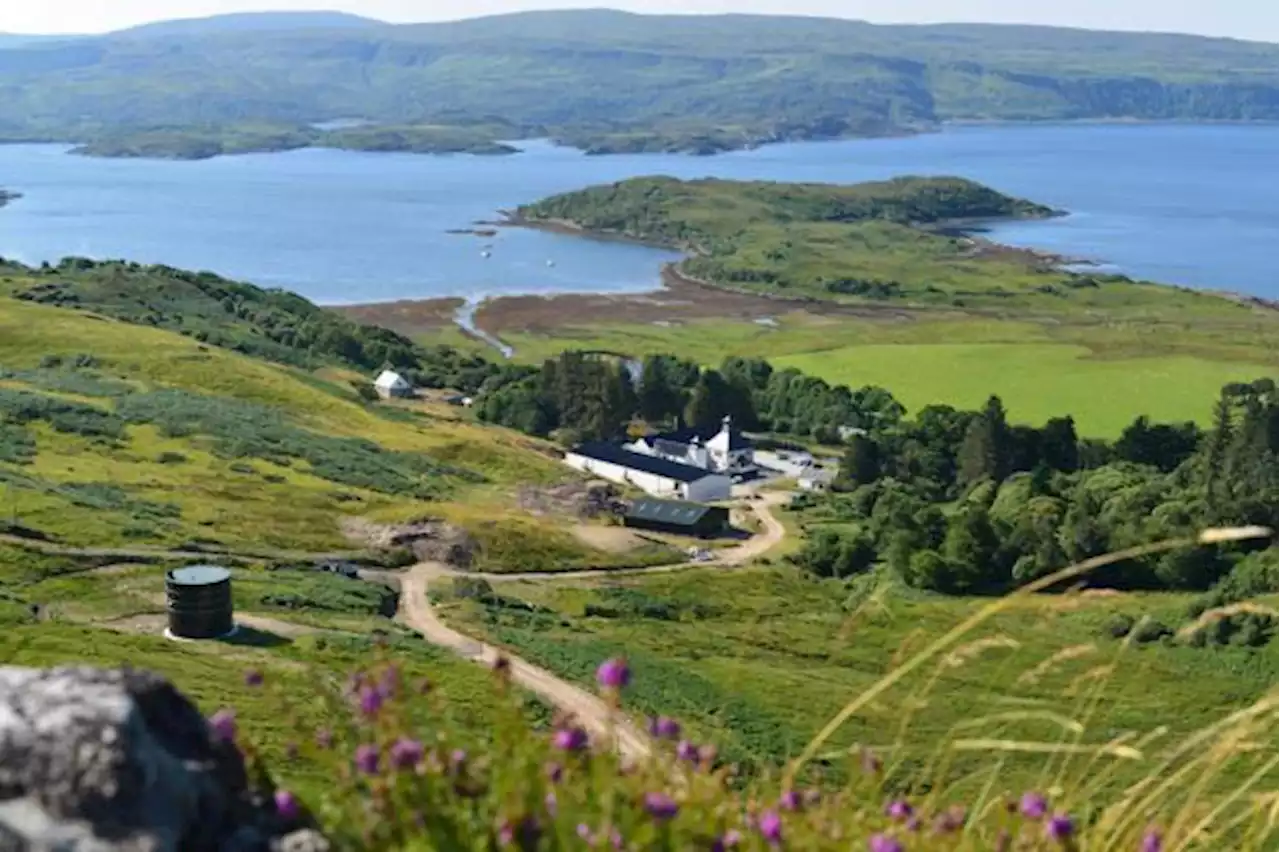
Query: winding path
601, 721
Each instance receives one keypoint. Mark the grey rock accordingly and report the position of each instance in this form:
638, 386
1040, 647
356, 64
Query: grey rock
118, 760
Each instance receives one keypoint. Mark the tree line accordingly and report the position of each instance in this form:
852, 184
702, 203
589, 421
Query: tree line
580, 396
965, 502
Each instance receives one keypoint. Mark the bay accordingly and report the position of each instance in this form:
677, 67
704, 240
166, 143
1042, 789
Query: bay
1185, 204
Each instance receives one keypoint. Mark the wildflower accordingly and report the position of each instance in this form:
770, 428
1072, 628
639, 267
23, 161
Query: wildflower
952, 819
883, 843
1059, 827
551, 803
370, 700
728, 840
770, 826
570, 739
686, 750
458, 759
660, 806
524, 834
1033, 806
613, 674
367, 759
223, 725
584, 831
324, 738
554, 772
1151, 841
389, 683
899, 809
253, 677
1004, 841
664, 728
615, 838
287, 805
790, 801
406, 753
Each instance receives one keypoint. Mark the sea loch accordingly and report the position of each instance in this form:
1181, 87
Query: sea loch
1185, 204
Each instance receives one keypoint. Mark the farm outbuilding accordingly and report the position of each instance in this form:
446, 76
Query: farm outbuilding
391, 384
677, 516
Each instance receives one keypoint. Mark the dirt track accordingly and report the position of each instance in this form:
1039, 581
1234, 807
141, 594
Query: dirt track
593, 713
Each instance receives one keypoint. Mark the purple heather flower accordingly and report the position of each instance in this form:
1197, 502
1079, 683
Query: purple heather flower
554, 772
389, 682
287, 805
570, 739
664, 728
790, 801
584, 831
1151, 841
899, 809
324, 738
615, 838
367, 759
458, 759
613, 674
883, 843
1033, 806
370, 700
660, 806
686, 750
912, 823
223, 725
406, 753
770, 826
728, 840
1059, 827
253, 677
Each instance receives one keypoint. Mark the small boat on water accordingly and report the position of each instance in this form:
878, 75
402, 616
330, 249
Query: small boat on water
485, 253
551, 263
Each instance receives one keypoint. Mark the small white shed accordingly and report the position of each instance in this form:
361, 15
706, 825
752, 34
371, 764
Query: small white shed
390, 383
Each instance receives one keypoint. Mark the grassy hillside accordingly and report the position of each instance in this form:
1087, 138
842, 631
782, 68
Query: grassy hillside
615, 81
758, 661
115, 434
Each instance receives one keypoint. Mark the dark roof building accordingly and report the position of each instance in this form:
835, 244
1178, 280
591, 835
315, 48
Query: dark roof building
613, 454
677, 516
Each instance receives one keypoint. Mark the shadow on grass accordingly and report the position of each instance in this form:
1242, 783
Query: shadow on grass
254, 637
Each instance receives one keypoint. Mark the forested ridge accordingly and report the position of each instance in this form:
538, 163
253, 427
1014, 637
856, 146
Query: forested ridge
615, 81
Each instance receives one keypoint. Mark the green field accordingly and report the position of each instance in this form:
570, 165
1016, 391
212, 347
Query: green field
1035, 381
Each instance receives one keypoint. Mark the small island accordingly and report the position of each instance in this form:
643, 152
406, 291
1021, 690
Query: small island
202, 143
908, 239
6, 196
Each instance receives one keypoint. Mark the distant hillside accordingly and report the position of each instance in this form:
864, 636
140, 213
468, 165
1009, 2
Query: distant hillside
617, 81
252, 22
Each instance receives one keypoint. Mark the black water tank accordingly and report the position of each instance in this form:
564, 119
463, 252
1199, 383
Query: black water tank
199, 601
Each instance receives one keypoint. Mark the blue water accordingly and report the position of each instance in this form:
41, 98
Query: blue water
1186, 204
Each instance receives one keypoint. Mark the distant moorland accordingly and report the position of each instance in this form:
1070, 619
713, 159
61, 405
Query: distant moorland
605, 81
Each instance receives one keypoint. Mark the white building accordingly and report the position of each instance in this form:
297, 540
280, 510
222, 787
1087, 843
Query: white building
723, 451
657, 476
390, 383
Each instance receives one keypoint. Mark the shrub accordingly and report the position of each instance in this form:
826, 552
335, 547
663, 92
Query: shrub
1150, 630
169, 457
1120, 626
21, 407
